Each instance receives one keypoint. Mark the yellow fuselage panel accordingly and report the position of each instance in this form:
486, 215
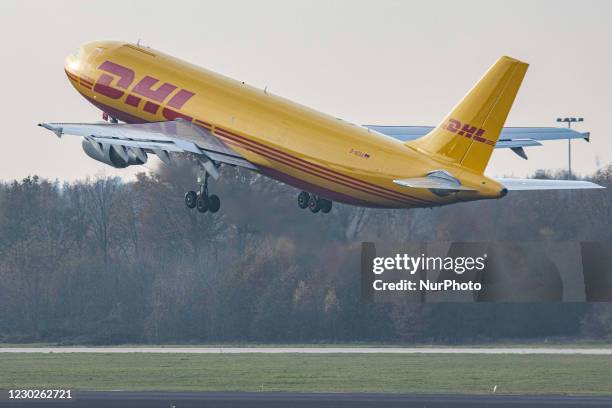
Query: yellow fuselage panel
287, 141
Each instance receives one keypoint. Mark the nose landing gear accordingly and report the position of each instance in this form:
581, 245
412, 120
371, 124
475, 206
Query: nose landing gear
314, 203
202, 200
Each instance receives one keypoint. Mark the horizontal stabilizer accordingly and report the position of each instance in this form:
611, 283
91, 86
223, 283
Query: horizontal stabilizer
513, 184
436, 180
523, 136
516, 143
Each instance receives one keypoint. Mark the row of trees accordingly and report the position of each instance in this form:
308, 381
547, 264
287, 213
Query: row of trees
105, 261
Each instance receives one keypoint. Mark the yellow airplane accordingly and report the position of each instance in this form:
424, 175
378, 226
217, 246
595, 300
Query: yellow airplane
168, 105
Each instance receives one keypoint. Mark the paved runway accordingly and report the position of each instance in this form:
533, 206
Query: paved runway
312, 350
297, 400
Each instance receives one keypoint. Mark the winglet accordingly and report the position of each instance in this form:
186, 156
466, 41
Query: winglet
57, 130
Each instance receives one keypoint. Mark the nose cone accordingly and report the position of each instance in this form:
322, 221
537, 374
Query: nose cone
72, 63
84, 58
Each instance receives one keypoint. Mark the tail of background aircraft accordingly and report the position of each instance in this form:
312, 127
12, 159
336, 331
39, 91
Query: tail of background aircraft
468, 134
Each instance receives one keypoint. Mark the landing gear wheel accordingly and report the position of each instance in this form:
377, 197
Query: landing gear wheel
190, 199
325, 205
213, 203
314, 204
202, 203
202, 200
303, 198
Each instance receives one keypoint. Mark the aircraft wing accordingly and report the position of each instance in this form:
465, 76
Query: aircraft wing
513, 184
160, 138
515, 138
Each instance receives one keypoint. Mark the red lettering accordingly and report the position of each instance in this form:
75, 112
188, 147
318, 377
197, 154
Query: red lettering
181, 97
467, 130
453, 125
145, 88
103, 86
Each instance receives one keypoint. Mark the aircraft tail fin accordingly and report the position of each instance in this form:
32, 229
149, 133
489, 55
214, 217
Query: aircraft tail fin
468, 134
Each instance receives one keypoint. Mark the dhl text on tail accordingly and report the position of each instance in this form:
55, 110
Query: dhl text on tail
157, 104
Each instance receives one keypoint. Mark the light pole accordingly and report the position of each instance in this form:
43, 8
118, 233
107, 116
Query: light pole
569, 122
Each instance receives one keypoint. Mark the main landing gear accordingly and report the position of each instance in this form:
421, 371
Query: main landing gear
202, 200
314, 203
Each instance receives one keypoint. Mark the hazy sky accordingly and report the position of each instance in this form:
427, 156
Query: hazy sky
379, 62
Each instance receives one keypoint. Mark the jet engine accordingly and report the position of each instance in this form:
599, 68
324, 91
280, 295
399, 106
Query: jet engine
114, 155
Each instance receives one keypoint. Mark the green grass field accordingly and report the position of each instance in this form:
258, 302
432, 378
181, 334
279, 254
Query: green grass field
536, 344
427, 373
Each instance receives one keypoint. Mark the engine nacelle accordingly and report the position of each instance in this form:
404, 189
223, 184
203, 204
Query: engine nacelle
107, 154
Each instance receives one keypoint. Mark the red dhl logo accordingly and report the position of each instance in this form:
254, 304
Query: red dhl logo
143, 88
467, 130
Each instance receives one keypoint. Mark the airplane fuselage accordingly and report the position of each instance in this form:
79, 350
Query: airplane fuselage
307, 149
